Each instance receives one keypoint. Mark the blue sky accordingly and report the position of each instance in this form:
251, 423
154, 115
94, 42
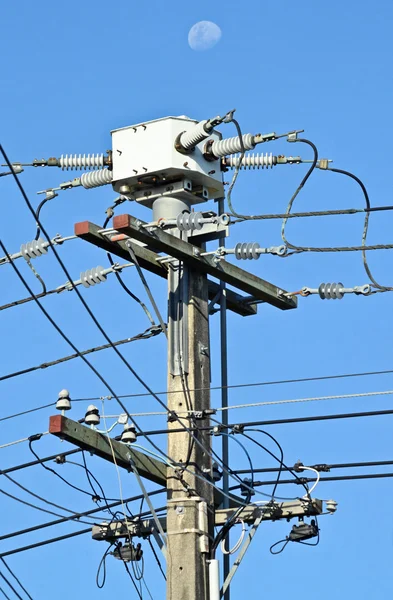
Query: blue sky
71, 73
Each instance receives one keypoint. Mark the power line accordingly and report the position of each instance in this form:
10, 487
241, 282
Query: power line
85, 513
151, 332
322, 466
15, 577
221, 426
45, 542
334, 478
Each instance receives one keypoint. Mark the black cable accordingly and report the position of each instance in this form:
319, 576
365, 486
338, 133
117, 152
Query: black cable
45, 510
1, 589
375, 413
10, 586
37, 216
147, 334
156, 557
324, 467
299, 188
285, 542
15, 577
44, 500
75, 487
46, 542
132, 579
76, 517
37, 462
365, 228
65, 337
335, 478
280, 460
102, 565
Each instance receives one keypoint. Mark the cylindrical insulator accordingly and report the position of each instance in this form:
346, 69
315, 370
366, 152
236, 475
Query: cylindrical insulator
331, 291
232, 145
251, 161
34, 249
81, 161
247, 250
189, 139
96, 178
93, 276
189, 221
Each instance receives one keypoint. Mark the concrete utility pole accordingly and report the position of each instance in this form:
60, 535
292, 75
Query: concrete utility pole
190, 505
170, 165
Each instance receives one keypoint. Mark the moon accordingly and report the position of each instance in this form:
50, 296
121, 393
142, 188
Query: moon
204, 35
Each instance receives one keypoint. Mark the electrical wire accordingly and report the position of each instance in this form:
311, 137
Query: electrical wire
10, 586
1, 589
16, 578
299, 188
323, 466
156, 557
334, 478
145, 335
88, 310
247, 385
77, 516
75, 487
132, 579
102, 565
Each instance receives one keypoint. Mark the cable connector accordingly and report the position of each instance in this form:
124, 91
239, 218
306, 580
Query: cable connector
303, 531
238, 428
202, 414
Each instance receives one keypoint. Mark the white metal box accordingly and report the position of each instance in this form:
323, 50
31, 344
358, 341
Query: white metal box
144, 156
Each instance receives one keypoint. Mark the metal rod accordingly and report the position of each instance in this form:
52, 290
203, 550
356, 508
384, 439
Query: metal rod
224, 396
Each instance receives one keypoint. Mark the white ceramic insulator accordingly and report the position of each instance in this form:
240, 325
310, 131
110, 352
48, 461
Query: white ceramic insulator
252, 161
96, 178
191, 138
81, 161
93, 276
232, 145
34, 249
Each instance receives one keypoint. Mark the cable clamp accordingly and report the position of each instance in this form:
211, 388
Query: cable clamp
239, 428
172, 417
322, 467
202, 414
218, 429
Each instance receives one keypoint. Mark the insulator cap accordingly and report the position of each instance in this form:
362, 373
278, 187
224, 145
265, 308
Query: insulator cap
129, 434
244, 488
64, 400
331, 506
92, 416
217, 474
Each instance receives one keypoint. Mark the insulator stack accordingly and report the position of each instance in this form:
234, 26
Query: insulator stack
96, 178
331, 291
189, 139
247, 250
233, 145
81, 162
93, 276
189, 221
34, 249
251, 161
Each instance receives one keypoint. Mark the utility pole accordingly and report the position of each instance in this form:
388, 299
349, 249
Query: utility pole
169, 165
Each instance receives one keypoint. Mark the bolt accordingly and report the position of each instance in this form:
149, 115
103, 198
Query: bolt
185, 164
204, 350
180, 510
211, 172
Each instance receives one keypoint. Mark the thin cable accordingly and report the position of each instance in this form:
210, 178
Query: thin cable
151, 332
156, 557
4, 594
10, 586
299, 188
247, 385
77, 517
323, 466
132, 579
15, 577
70, 343
334, 478
75, 487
